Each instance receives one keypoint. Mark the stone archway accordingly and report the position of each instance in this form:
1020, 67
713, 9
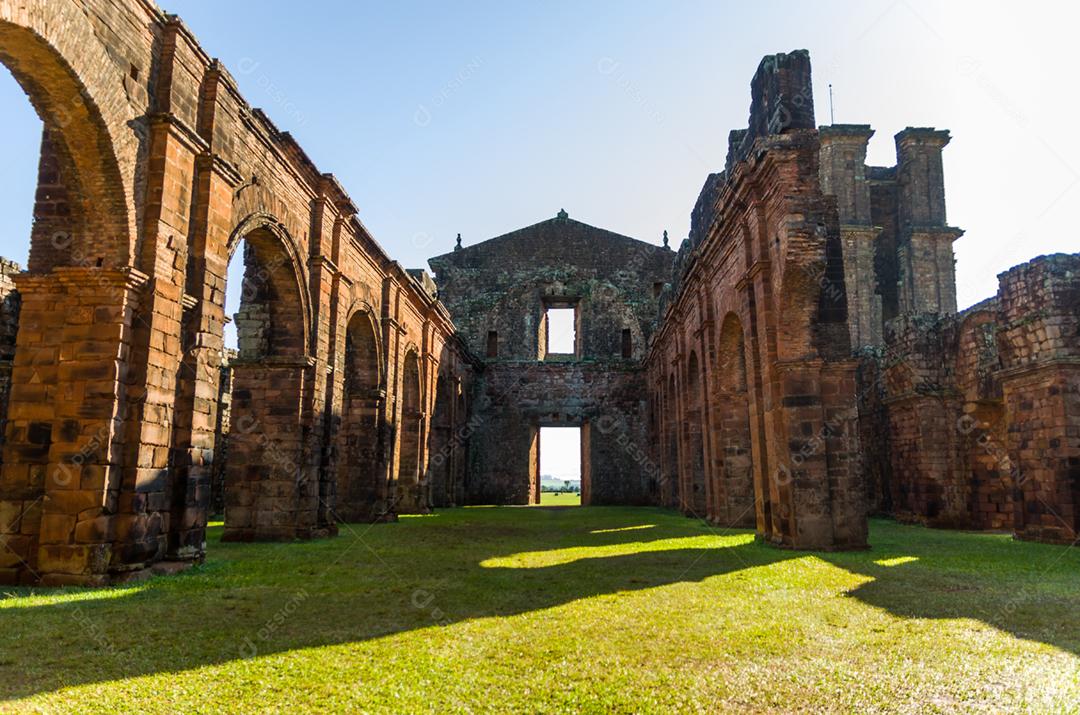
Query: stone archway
361, 475
269, 489
441, 447
694, 494
670, 491
733, 473
77, 91
76, 303
410, 494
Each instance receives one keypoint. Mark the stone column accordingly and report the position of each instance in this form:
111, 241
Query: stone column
62, 470
924, 243
196, 454
812, 457
265, 496
843, 174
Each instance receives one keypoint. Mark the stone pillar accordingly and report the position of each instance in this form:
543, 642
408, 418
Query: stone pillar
843, 170
266, 498
321, 407
819, 501
1039, 344
196, 452
924, 244
61, 480
843, 174
733, 466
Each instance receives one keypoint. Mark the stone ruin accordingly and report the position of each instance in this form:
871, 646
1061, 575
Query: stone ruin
796, 365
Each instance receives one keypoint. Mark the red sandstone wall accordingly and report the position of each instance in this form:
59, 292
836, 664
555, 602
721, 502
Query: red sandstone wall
153, 168
766, 259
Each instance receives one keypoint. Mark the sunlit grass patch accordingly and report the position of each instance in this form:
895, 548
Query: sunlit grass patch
623, 528
555, 557
896, 561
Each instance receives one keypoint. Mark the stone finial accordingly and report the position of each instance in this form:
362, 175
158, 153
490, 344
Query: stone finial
562, 215
666, 240
457, 246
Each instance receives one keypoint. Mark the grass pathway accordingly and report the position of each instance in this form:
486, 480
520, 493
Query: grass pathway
552, 610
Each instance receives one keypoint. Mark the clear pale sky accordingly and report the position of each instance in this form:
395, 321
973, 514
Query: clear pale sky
483, 117
560, 452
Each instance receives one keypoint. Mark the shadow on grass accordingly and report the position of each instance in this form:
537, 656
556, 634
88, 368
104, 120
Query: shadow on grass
375, 581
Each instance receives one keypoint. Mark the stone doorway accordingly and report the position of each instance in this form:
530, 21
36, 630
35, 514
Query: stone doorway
560, 471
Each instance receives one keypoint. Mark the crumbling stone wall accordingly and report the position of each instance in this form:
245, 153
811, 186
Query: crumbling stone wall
1038, 340
924, 412
498, 292
605, 400
760, 286
978, 411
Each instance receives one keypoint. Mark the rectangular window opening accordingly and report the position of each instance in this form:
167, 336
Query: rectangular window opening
493, 344
627, 344
560, 466
561, 331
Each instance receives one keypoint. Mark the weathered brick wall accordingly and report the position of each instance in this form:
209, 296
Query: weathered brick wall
980, 407
924, 408
515, 400
1039, 343
982, 427
153, 171
502, 286
760, 287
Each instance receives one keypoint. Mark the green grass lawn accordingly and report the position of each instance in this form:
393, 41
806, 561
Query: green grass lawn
560, 499
550, 610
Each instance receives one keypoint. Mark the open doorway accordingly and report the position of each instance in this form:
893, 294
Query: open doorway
560, 475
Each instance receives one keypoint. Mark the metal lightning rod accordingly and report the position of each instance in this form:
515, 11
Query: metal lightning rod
832, 119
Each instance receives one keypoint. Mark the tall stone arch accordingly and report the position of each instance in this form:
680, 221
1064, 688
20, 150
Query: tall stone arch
694, 498
77, 90
361, 471
441, 445
410, 493
733, 475
62, 456
269, 489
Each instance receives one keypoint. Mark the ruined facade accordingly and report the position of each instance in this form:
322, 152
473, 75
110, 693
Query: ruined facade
797, 364
965, 420
982, 408
751, 373
499, 292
